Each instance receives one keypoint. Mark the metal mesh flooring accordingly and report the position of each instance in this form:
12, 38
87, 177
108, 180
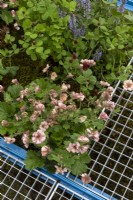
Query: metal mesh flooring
19, 184
111, 167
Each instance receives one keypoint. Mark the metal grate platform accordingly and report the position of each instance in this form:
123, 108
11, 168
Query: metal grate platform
111, 167
18, 183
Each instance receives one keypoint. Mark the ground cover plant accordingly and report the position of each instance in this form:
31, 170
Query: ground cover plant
74, 50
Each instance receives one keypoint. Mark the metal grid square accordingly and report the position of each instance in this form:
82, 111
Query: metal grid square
18, 183
111, 167
62, 192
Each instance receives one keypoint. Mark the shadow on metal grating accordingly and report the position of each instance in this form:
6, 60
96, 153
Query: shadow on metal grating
111, 167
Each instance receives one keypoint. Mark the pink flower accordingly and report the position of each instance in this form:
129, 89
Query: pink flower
25, 138
13, 12
61, 105
44, 126
38, 137
73, 147
106, 96
103, 116
83, 149
110, 90
4, 123
53, 76
63, 97
46, 68
16, 26
15, 81
85, 64
24, 93
103, 83
60, 170
82, 118
93, 134
79, 96
83, 138
9, 140
98, 103
17, 117
34, 116
45, 150
128, 85
85, 178
53, 94
39, 106
4, 5
1, 88
110, 105
37, 89
65, 87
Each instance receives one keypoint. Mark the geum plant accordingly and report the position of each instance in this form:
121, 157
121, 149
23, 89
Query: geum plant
56, 119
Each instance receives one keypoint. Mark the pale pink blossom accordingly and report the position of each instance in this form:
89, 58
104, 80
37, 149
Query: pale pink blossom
46, 68
23, 108
103, 116
63, 97
53, 94
53, 76
25, 138
89, 62
83, 138
1, 88
128, 85
60, 170
103, 83
24, 93
82, 118
4, 123
44, 126
38, 137
98, 103
110, 105
85, 178
73, 147
34, 116
45, 150
70, 75
65, 87
24, 114
54, 110
37, 89
106, 96
83, 149
17, 117
79, 96
4, 5
61, 105
39, 106
15, 81
93, 134
110, 90
9, 140
71, 107
13, 12
16, 26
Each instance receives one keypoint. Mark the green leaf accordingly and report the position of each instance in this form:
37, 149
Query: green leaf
14, 90
33, 160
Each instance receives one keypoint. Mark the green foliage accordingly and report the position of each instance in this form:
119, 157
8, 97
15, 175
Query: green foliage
33, 161
6, 70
